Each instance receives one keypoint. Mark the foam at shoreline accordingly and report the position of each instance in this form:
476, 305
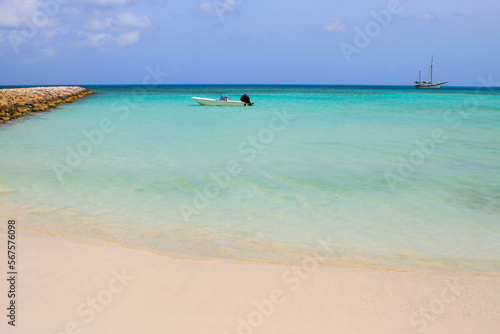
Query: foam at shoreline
204, 244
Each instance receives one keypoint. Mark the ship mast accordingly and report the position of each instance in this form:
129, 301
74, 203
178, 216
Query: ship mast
432, 60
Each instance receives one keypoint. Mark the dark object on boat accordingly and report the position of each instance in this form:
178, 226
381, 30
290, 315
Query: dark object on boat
246, 99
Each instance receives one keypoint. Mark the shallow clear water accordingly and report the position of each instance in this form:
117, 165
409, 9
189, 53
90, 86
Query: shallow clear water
359, 176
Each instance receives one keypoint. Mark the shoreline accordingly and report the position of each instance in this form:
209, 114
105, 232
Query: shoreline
69, 284
305, 261
19, 102
320, 255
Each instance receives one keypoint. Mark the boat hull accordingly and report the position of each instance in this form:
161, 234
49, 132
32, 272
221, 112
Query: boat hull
221, 103
427, 86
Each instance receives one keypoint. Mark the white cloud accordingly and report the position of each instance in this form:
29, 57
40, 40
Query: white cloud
219, 7
131, 20
14, 12
91, 39
93, 26
427, 17
121, 20
102, 39
128, 38
97, 25
119, 30
207, 7
336, 26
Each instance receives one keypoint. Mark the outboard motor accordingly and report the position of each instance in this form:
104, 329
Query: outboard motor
246, 99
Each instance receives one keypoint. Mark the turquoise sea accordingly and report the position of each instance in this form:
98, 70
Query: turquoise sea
365, 176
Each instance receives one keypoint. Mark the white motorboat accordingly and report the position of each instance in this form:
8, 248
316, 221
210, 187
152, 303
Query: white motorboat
220, 102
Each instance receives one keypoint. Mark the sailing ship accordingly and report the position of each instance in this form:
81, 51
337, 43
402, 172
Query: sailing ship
428, 84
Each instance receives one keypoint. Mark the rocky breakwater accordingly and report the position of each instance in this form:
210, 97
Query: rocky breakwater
18, 102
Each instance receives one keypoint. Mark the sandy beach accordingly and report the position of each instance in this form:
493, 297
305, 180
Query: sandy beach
70, 285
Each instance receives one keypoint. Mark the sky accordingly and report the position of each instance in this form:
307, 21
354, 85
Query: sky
337, 42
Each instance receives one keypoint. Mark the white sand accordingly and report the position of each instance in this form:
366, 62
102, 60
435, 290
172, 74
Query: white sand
68, 285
